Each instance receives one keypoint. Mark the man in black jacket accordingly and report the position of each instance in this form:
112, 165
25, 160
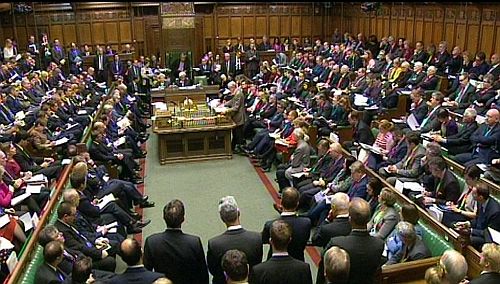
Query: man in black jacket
365, 251
178, 255
460, 142
236, 237
49, 272
361, 131
281, 267
490, 263
337, 222
301, 226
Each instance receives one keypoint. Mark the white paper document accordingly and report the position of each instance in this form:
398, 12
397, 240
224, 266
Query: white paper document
412, 122
399, 185
105, 200
39, 178
4, 220
371, 148
18, 199
413, 186
480, 119
69, 126
298, 175
34, 188
495, 235
61, 141
82, 112
119, 142
20, 115
12, 261
360, 100
27, 221
66, 162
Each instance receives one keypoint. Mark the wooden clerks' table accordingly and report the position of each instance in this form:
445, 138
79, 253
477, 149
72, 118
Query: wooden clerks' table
177, 95
191, 135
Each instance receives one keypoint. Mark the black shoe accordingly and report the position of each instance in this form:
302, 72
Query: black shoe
144, 198
147, 204
135, 215
134, 229
142, 224
137, 181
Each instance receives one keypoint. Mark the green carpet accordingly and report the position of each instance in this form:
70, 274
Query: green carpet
200, 185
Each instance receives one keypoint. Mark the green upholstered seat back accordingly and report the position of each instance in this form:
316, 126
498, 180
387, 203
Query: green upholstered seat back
433, 241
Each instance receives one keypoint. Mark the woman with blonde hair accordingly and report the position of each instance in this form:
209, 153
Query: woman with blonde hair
386, 217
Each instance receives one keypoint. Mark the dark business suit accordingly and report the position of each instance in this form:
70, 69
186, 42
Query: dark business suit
228, 67
485, 144
460, 142
365, 254
57, 54
74, 240
281, 270
447, 189
48, 275
464, 97
488, 215
178, 255
358, 189
431, 122
134, 275
246, 241
28, 163
415, 252
340, 226
301, 229
486, 278
363, 134
428, 83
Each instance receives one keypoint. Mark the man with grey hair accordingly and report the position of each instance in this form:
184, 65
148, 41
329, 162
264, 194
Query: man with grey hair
337, 222
337, 265
235, 237
454, 265
236, 110
413, 247
460, 142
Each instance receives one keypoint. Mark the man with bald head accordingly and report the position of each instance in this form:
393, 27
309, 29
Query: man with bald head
495, 66
131, 253
364, 250
485, 141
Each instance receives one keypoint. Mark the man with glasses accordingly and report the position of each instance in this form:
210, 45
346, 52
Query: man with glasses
462, 98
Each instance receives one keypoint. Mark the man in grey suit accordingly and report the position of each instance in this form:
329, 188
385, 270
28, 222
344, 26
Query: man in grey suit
236, 110
413, 247
236, 237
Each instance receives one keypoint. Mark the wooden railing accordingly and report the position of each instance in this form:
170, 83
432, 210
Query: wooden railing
48, 210
471, 255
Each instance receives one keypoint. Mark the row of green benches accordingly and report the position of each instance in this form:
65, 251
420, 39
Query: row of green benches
31, 256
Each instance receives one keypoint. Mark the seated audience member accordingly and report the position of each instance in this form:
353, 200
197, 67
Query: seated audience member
48, 272
488, 215
479, 67
359, 181
235, 266
299, 160
186, 263
430, 82
466, 207
413, 247
385, 217
131, 253
234, 238
418, 108
365, 259
82, 272
485, 96
447, 187
384, 142
409, 168
431, 121
397, 151
373, 189
460, 142
462, 98
76, 241
281, 267
361, 131
490, 264
300, 226
341, 183
337, 222
485, 142
448, 126
452, 269
337, 266
394, 244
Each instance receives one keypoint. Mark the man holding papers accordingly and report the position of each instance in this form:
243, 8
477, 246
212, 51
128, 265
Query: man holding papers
447, 187
460, 142
410, 167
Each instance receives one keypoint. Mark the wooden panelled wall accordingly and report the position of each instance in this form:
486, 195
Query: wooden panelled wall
473, 27
106, 26
247, 21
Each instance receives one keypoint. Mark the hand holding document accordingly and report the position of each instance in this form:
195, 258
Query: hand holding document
61, 141
105, 201
119, 142
412, 122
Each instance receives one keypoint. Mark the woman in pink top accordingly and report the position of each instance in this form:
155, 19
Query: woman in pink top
385, 139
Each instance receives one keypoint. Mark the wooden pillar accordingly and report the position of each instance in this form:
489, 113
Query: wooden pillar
177, 26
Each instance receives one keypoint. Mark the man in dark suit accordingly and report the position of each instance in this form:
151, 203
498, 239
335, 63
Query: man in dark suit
337, 223
177, 255
236, 237
431, 121
488, 215
485, 142
460, 142
235, 266
117, 68
365, 251
361, 131
101, 66
48, 272
495, 66
58, 54
463, 97
490, 264
281, 267
76, 241
413, 247
301, 226
228, 66
131, 253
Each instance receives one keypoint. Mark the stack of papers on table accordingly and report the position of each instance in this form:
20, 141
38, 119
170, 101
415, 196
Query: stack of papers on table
360, 100
371, 148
